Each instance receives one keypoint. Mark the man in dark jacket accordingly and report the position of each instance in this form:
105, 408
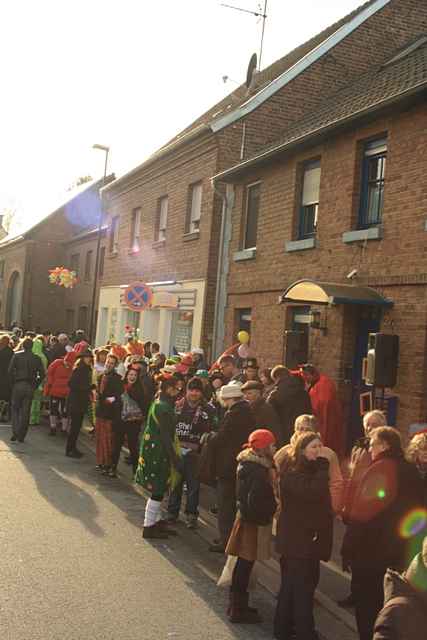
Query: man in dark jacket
233, 433
59, 349
289, 399
264, 413
194, 417
25, 372
404, 614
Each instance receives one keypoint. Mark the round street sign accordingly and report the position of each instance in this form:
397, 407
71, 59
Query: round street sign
138, 296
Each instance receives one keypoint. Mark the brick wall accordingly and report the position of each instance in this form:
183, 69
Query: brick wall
395, 265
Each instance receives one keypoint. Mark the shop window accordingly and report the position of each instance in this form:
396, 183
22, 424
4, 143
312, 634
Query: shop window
194, 208
244, 320
182, 331
88, 265
161, 219
135, 230
74, 262
101, 262
309, 206
373, 181
114, 235
253, 192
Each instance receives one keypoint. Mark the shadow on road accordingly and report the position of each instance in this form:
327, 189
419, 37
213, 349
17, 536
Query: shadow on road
49, 473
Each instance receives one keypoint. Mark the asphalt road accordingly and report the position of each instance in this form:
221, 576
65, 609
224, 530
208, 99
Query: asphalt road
74, 565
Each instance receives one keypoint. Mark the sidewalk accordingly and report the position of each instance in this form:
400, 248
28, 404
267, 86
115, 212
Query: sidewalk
333, 621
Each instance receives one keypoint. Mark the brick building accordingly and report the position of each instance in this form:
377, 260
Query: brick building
166, 222
328, 231
68, 237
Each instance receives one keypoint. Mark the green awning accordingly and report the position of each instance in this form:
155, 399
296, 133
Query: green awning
311, 292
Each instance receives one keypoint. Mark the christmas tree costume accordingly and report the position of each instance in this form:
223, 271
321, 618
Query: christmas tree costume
38, 393
159, 449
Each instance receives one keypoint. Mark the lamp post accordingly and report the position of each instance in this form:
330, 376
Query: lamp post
98, 248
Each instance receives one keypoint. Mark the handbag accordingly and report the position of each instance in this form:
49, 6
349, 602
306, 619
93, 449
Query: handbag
130, 409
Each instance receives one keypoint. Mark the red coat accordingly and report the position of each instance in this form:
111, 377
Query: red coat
328, 411
58, 375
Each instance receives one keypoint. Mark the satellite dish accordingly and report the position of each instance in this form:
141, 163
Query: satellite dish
251, 69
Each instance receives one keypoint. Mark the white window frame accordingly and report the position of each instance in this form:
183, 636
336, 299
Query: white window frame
196, 207
248, 187
163, 218
115, 221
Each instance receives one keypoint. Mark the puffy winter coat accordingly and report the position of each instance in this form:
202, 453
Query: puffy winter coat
58, 377
255, 495
404, 615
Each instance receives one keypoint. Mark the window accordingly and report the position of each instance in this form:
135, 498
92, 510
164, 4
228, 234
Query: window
88, 265
244, 319
135, 230
372, 188
162, 219
101, 262
69, 321
74, 262
309, 200
194, 209
1, 269
253, 192
83, 316
114, 235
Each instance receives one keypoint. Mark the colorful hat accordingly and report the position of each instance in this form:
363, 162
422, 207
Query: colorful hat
260, 439
202, 373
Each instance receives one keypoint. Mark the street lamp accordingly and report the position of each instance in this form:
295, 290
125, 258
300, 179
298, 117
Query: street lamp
106, 150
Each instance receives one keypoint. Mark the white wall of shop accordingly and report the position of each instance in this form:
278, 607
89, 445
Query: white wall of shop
160, 325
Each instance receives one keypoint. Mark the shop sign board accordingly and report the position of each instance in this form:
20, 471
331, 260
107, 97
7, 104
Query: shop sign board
164, 300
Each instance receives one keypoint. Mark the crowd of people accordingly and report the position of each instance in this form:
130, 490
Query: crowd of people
271, 443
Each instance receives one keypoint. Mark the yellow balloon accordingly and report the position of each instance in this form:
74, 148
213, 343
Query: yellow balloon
243, 337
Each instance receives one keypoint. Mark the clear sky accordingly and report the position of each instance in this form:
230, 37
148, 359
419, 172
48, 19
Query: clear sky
128, 74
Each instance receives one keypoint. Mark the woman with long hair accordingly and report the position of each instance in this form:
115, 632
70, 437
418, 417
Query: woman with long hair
304, 536
81, 388
159, 458
133, 404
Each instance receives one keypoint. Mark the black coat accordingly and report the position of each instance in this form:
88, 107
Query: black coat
305, 523
407, 617
112, 387
25, 366
255, 495
80, 384
238, 424
266, 418
387, 492
57, 351
6, 355
290, 400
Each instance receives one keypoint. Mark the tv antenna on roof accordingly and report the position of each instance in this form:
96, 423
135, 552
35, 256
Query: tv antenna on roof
261, 13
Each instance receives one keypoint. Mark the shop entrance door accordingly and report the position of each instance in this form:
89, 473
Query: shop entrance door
182, 331
368, 322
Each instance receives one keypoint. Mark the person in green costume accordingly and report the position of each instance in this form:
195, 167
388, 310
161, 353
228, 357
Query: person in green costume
159, 457
38, 393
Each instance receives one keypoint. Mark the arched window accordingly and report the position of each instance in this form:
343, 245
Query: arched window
14, 299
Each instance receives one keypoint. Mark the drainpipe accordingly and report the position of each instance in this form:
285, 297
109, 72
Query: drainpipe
222, 269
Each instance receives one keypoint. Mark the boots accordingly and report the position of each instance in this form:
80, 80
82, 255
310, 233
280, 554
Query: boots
239, 611
230, 600
154, 533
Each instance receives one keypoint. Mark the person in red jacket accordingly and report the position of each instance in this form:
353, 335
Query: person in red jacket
58, 375
326, 407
